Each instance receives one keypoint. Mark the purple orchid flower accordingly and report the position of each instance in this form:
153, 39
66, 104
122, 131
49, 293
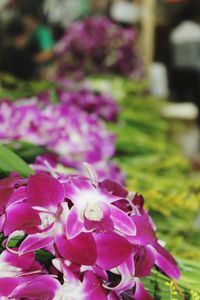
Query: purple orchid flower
97, 45
72, 288
66, 130
15, 269
99, 239
95, 211
100, 105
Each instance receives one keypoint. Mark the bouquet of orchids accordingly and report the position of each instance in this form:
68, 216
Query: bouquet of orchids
70, 133
75, 237
98, 45
101, 105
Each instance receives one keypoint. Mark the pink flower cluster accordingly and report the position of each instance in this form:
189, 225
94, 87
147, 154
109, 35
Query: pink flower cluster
97, 239
72, 134
101, 105
98, 45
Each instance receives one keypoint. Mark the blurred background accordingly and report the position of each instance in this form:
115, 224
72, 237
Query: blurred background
136, 65
168, 41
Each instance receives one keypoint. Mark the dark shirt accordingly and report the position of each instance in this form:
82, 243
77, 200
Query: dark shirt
17, 62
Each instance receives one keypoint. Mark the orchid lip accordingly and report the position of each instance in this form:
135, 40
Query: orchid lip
93, 212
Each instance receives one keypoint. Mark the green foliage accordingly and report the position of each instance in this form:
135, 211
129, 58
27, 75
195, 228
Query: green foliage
10, 162
26, 150
187, 288
13, 89
156, 168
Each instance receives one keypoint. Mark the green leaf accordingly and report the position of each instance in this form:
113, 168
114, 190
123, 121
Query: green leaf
9, 162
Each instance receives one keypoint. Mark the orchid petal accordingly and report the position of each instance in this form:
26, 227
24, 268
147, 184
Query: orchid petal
144, 262
44, 191
80, 250
36, 241
127, 280
112, 250
105, 225
166, 262
140, 292
144, 232
24, 261
7, 285
115, 188
5, 194
112, 296
18, 196
89, 170
100, 273
68, 275
73, 225
40, 287
2, 221
92, 287
122, 222
21, 216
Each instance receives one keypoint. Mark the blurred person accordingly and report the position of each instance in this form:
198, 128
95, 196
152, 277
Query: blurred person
41, 40
15, 55
185, 55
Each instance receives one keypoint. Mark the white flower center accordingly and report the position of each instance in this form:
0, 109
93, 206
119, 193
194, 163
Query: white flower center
88, 204
93, 212
47, 219
68, 291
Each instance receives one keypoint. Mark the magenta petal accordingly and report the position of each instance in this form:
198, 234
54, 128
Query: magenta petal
18, 195
80, 250
122, 222
112, 296
140, 292
100, 273
39, 287
2, 222
127, 281
92, 288
144, 262
44, 191
5, 194
114, 188
7, 285
112, 250
104, 225
82, 182
166, 262
61, 266
73, 226
25, 261
144, 232
35, 242
71, 191
21, 216
9, 181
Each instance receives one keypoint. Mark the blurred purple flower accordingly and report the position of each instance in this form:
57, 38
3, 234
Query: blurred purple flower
98, 240
100, 105
64, 129
98, 45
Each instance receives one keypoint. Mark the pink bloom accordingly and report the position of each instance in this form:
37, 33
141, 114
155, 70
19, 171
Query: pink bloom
80, 238
72, 134
14, 269
95, 210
